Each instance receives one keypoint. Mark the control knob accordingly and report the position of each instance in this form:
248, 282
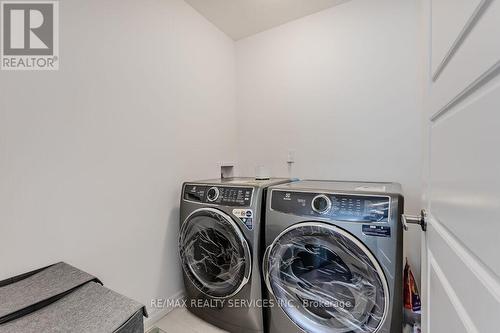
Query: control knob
212, 194
321, 204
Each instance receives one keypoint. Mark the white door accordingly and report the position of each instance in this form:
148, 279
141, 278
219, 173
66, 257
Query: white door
461, 270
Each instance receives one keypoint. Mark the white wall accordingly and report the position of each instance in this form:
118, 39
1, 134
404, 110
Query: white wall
339, 87
92, 156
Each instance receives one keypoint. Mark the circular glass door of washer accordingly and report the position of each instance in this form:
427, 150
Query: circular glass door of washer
214, 253
326, 280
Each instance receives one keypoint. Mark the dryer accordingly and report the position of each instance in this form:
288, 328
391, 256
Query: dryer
220, 246
333, 258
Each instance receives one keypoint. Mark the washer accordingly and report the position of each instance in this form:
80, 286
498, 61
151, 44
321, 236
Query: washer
220, 250
333, 258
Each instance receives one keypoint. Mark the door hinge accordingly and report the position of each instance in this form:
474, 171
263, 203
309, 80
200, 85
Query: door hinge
415, 219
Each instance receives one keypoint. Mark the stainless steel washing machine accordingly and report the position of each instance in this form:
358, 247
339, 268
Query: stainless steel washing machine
333, 259
220, 246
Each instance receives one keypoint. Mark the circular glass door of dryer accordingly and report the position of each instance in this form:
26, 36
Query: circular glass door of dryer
326, 280
214, 253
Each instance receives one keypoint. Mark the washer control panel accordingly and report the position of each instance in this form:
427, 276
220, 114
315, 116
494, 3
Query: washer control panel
220, 195
338, 206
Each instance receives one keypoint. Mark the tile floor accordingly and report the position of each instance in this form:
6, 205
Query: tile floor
182, 321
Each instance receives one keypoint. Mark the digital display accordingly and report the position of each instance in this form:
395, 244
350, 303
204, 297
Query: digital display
359, 208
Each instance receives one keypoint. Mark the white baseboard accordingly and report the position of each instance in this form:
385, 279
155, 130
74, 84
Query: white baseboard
158, 313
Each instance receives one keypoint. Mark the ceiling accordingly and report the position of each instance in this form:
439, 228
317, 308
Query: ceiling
242, 18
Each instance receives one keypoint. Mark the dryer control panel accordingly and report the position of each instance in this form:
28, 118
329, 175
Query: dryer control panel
219, 195
335, 206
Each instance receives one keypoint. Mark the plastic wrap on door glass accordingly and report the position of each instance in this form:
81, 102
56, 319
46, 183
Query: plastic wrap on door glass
325, 280
214, 254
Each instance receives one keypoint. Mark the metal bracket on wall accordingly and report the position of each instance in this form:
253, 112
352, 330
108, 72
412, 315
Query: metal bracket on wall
415, 219
226, 169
